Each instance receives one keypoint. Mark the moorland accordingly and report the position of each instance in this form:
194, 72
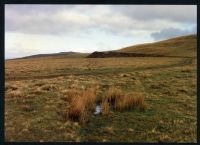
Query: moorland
143, 98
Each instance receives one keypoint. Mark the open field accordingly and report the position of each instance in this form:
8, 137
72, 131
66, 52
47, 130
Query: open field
37, 99
52, 67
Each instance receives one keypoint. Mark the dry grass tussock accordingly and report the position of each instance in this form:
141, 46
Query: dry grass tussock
124, 101
81, 103
112, 94
71, 94
130, 101
77, 110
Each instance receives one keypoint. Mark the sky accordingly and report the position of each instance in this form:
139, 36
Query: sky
40, 29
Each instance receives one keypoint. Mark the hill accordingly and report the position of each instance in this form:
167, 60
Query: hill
60, 55
180, 46
183, 46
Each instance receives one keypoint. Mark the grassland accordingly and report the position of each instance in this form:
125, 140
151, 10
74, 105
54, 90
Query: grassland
39, 96
184, 46
52, 67
35, 107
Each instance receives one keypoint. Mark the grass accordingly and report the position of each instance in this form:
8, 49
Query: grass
84, 102
130, 101
184, 46
139, 103
105, 107
15, 94
81, 103
122, 101
112, 95
77, 110
51, 68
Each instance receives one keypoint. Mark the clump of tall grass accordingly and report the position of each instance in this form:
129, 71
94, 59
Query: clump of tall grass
81, 103
112, 94
77, 110
130, 101
123, 101
89, 97
84, 101
71, 94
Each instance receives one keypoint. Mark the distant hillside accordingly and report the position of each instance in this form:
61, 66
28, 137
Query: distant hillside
184, 46
61, 54
179, 46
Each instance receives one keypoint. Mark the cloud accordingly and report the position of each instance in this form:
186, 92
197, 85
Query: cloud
172, 32
120, 19
176, 13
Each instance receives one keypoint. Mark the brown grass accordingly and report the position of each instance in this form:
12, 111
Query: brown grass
122, 100
112, 94
145, 75
71, 94
130, 101
109, 130
187, 69
39, 84
48, 87
10, 87
34, 68
185, 46
81, 103
77, 110
36, 91
89, 97
26, 108
15, 94
105, 108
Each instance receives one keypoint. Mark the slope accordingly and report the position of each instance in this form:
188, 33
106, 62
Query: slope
184, 46
58, 55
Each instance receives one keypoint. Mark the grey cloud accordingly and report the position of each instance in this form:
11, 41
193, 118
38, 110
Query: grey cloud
177, 13
119, 19
24, 9
172, 32
45, 21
